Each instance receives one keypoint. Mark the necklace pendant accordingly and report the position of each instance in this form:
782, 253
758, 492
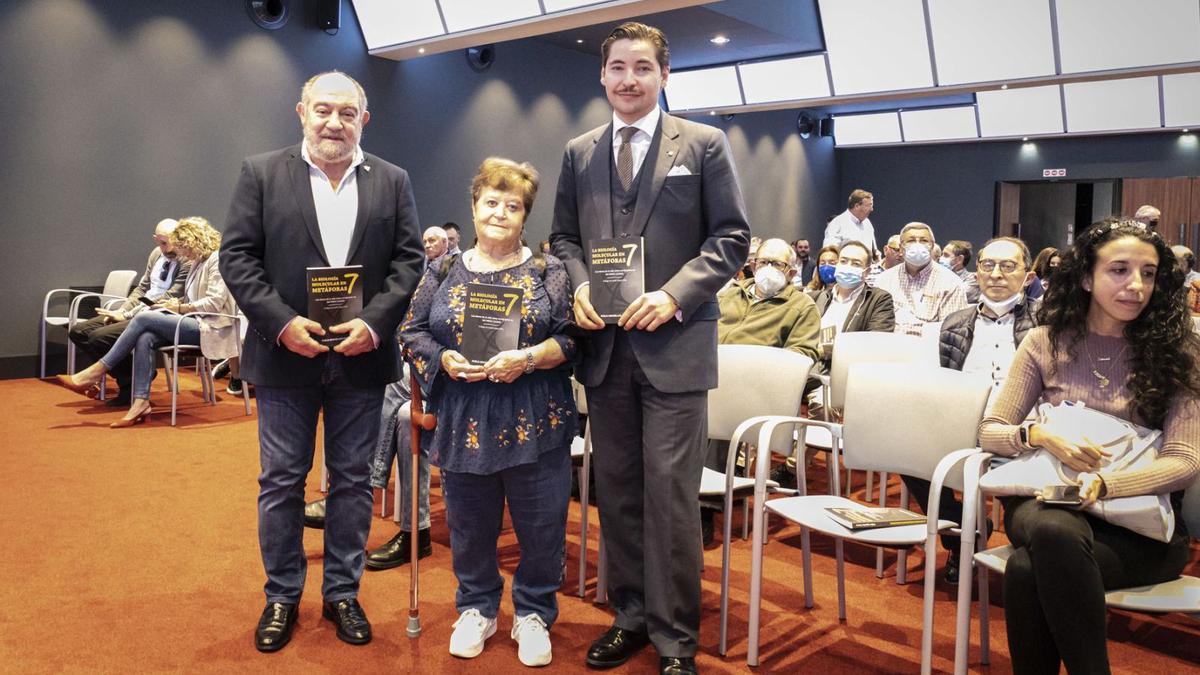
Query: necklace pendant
1103, 380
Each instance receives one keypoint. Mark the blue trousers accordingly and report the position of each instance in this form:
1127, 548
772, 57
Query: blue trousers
394, 434
537, 496
147, 332
287, 424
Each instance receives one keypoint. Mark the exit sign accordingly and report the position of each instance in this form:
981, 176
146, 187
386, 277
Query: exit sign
1054, 173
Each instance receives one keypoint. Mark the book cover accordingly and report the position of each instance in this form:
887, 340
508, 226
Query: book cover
334, 296
491, 321
616, 273
868, 518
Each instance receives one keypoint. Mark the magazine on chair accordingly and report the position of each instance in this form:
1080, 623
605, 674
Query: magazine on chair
334, 296
870, 518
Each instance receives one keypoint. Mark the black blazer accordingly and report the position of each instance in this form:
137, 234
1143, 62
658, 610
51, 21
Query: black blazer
272, 237
873, 310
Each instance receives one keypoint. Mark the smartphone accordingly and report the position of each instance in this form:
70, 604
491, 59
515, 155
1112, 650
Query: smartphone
146, 301
1064, 495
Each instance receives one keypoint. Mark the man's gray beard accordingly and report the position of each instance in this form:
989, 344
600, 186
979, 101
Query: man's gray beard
331, 151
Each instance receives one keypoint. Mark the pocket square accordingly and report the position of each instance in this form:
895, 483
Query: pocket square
679, 170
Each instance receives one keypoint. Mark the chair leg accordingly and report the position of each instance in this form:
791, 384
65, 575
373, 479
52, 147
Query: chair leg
841, 575
42, 350
174, 387
585, 500
756, 553
395, 493
927, 605
883, 478
745, 519
902, 556
806, 550
602, 575
70, 357
983, 595
996, 519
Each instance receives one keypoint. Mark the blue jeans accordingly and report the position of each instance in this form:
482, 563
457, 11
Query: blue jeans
537, 496
287, 426
145, 333
394, 434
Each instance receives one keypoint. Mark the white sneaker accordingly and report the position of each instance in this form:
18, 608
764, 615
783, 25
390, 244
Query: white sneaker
470, 632
532, 639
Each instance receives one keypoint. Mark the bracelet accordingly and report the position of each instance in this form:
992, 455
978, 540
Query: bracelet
529, 361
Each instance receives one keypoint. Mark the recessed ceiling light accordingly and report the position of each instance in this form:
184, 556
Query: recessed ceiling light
719, 40
1025, 138
712, 112
1004, 86
1186, 130
420, 50
579, 42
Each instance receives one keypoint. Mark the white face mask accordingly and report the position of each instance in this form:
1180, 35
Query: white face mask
1001, 307
768, 281
917, 254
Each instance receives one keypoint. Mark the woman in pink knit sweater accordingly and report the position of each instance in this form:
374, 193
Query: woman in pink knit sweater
1115, 334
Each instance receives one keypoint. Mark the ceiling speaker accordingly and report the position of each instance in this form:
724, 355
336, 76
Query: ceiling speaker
806, 124
481, 58
268, 14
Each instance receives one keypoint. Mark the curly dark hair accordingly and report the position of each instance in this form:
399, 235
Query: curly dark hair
1163, 344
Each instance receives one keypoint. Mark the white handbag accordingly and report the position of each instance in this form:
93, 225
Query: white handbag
1131, 447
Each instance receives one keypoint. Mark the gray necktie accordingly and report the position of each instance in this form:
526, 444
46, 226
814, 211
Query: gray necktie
625, 157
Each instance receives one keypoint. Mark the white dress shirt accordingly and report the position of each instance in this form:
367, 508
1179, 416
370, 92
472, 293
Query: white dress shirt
337, 208
992, 350
158, 285
839, 310
640, 145
845, 227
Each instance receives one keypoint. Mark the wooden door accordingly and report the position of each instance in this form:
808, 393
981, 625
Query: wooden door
1194, 216
1008, 210
1172, 196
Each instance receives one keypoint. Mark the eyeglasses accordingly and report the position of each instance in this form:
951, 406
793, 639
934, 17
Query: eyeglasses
1006, 266
777, 264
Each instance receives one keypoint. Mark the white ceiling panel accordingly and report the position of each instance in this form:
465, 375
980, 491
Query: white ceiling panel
1112, 34
392, 22
1112, 104
703, 89
560, 5
1181, 100
866, 129
988, 41
876, 45
785, 79
939, 124
1020, 112
468, 14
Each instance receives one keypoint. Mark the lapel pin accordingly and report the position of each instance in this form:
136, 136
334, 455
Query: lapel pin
366, 167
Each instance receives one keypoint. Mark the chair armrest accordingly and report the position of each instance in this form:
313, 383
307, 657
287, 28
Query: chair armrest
762, 459
102, 297
948, 463
51, 293
237, 319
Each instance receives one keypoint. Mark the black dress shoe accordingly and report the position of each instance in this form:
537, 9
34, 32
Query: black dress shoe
950, 574
275, 626
351, 622
677, 665
118, 402
707, 528
398, 550
615, 647
314, 514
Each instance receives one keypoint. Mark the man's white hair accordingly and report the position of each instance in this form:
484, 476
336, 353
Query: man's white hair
435, 231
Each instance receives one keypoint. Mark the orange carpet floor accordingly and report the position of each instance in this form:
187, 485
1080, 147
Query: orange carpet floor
136, 551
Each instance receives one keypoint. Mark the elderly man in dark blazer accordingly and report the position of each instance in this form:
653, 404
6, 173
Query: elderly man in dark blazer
671, 182
323, 203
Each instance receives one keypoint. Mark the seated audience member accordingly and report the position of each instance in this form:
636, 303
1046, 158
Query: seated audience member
1148, 215
804, 264
921, 291
983, 339
853, 223
822, 277
891, 256
163, 278
766, 310
1044, 265
1116, 338
1191, 278
204, 291
956, 257
453, 236
395, 433
436, 244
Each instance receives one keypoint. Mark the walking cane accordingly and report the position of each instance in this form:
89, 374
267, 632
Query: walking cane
420, 422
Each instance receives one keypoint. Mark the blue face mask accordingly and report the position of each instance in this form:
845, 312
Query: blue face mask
848, 277
827, 274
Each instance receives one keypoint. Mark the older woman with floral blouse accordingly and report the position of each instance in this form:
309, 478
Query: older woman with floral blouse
504, 427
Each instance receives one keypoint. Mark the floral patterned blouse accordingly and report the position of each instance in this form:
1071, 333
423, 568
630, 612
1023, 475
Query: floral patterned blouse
485, 427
